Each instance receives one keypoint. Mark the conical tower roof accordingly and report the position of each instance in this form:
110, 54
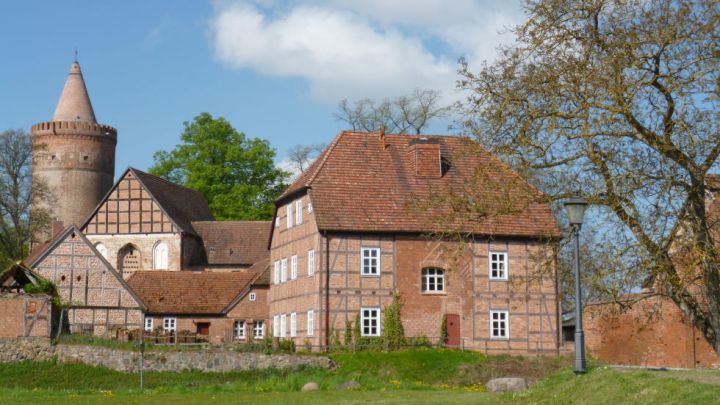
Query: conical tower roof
74, 104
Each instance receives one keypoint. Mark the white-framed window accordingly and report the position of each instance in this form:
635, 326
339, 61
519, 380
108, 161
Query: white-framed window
499, 325
289, 213
310, 207
293, 267
239, 329
253, 297
169, 324
311, 262
283, 325
298, 211
276, 326
276, 273
102, 249
310, 322
160, 256
258, 329
293, 324
433, 280
498, 266
370, 261
283, 270
148, 324
370, 321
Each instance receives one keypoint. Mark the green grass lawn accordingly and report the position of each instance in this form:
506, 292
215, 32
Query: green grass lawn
413, 376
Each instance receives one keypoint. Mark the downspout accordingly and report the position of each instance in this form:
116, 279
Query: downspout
327, 290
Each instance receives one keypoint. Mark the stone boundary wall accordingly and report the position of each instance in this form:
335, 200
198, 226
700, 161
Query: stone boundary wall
212, 360
14, 350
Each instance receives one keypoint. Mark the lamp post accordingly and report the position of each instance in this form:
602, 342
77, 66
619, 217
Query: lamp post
575, 208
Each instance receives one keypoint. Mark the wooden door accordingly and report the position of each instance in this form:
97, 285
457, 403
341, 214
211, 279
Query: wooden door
452, 325
203, 328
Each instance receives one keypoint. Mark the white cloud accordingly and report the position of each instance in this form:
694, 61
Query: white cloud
354, 49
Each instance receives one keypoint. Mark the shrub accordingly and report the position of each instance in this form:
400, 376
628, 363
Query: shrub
443, 331
393, 331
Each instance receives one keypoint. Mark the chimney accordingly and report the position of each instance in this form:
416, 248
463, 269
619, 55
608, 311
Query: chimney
425, 153
57, 228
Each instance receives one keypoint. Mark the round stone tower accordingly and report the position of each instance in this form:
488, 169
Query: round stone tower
73, 155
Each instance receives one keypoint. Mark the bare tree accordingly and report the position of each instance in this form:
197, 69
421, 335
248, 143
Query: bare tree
302, 156
405, 114
618, 100
19, 197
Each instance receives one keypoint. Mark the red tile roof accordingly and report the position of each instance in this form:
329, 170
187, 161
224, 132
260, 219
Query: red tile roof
366, 183
189, 292
234, 242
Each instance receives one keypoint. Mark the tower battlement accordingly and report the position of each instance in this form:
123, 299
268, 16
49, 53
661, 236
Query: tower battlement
74, 128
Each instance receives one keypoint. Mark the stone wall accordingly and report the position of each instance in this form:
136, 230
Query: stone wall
211, 360
215, 360
22, 349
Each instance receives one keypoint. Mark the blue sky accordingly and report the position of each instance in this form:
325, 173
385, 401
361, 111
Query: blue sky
274, 69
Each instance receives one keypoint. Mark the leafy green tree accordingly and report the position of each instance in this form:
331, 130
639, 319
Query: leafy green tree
22, 213
235, 173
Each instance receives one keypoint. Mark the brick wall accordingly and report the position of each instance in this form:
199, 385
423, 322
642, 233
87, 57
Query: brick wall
652, 332
144, 243
24, 315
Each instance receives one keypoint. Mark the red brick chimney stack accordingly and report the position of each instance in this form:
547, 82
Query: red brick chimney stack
428, 161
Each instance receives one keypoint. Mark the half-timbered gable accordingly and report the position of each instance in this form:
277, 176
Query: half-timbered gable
145, 223
99, 299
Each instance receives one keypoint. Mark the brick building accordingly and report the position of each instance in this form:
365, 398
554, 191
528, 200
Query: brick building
23, 314
376, 214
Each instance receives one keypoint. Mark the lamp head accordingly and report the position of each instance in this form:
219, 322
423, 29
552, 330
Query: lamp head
575, 208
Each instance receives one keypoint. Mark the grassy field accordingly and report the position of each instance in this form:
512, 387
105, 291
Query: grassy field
416, 376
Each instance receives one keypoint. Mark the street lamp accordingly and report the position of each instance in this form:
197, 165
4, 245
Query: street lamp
575, 208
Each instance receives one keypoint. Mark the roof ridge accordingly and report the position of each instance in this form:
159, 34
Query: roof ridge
164, 180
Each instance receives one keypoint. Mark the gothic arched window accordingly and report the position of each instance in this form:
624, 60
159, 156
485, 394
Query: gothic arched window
128, 259
160, 256
101, 249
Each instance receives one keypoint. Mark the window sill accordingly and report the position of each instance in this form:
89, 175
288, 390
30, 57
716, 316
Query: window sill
500, 338
370, 275
498, 279
441, 293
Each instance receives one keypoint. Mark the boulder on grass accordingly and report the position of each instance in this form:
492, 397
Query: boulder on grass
507, 384
350, 385
311, 386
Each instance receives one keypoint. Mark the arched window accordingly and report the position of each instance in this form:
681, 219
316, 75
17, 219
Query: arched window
128, 259
101, 249
160, 256
433, 280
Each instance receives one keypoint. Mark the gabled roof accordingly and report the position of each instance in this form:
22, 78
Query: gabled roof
181, 204
234, 242
45, 250
366, 183
190, 292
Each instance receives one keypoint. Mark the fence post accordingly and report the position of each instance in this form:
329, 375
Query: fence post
462, 344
